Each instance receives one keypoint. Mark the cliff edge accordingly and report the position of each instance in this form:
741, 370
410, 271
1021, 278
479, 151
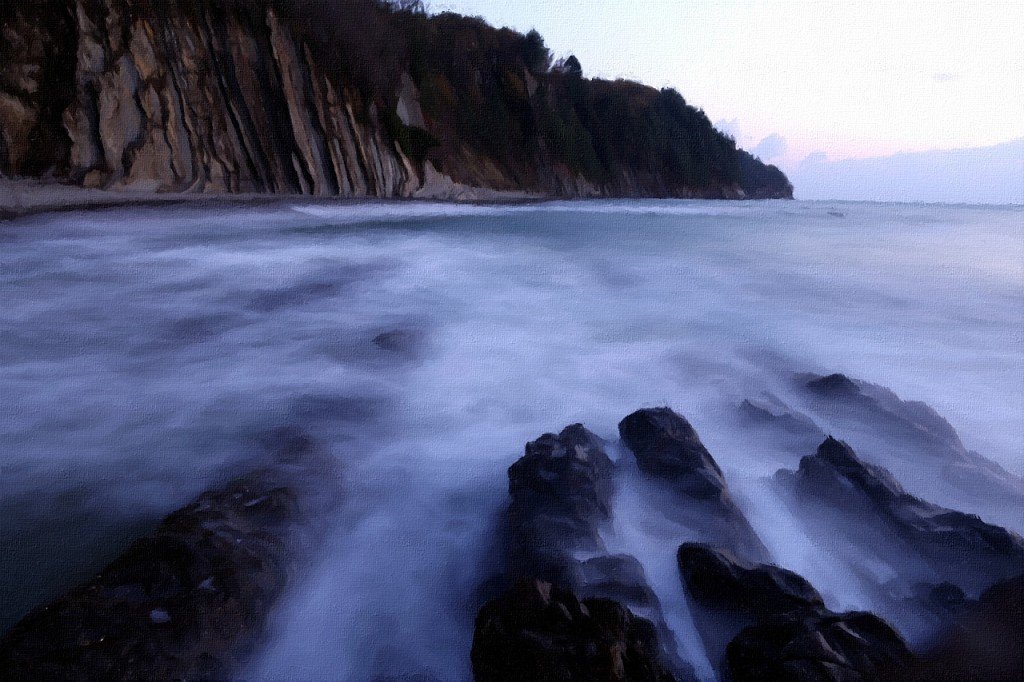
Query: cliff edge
354, 99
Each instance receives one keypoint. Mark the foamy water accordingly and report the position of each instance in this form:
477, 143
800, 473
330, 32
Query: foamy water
141, 350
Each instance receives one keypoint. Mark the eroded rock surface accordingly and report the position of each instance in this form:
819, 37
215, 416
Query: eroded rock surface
541, 632
917, 439
188, 601
668, 450
763, 622
865, 501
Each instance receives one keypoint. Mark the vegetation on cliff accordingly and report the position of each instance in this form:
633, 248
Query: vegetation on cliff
486, 107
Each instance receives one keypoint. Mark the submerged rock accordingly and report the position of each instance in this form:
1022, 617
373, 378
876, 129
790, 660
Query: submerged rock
867, 502
768, 412
987, 642
763, 622
188, 601
668, 450
917, 434
540, 632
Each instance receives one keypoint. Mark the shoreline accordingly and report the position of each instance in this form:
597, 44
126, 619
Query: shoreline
24, 197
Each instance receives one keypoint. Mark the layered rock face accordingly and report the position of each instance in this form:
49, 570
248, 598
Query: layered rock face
218, 100
239, 97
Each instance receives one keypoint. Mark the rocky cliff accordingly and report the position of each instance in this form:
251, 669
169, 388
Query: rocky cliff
335, 99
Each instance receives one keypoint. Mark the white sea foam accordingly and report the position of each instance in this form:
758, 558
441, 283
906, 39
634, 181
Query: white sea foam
142, 349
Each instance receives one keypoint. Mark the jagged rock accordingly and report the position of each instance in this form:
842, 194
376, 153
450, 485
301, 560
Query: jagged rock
816, 648
960, 548
987, 643
715, 576
561, 491
187, 601
916, 433
541, 632
668, 449
769, 623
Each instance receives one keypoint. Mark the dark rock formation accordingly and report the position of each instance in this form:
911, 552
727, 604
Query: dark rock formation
541, 632
561, 493
866, 502
714, 576
335, 99
987, 642
821, 647
669, 450
667, 447
188, 601
776, 626
915, 433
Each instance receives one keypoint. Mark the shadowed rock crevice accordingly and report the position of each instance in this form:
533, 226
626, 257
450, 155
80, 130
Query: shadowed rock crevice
541, 632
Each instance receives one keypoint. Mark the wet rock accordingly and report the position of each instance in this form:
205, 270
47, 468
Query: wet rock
402, 341
542, 632
715, 576
668, 449
763, 622
823, 647
561, 491
189, 600
987, 642
917, 435
866, 502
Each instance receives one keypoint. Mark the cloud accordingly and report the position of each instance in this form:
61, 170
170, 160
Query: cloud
981, 175
770, 147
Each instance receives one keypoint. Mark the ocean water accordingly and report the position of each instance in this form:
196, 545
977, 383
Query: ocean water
424, 344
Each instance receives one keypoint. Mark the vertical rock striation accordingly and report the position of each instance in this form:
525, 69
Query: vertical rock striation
251, 97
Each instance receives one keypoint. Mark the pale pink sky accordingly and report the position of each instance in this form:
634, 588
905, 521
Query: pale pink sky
851, 79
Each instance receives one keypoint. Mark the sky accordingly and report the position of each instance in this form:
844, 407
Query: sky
792, 79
